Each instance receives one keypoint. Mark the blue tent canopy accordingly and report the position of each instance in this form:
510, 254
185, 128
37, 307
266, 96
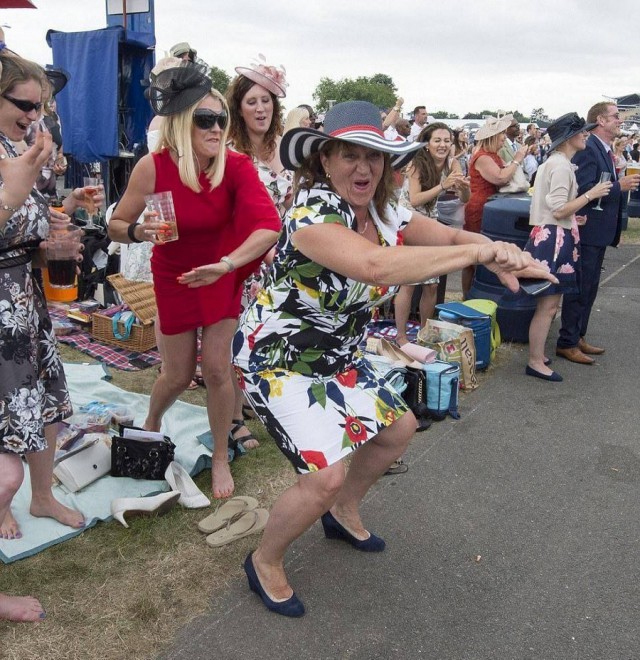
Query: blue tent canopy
102, 109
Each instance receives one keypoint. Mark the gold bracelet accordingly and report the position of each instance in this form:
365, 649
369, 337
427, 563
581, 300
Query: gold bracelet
588, 198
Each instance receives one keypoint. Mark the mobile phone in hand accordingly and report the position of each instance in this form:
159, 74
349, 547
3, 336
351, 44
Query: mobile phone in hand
532, 286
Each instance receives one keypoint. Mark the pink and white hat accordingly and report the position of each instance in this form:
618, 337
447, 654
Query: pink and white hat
272, 78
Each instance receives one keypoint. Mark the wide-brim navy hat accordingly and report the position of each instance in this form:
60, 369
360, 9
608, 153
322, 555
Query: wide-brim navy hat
565, 127
356, 122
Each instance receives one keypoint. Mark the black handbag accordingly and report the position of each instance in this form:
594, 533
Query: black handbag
138, 458
415, 396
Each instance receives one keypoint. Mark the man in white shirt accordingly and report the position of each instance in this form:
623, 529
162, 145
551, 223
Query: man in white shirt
420, 118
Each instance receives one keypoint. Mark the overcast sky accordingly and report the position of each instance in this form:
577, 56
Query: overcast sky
460, 56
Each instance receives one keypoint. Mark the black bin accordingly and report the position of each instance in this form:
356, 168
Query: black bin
506, 218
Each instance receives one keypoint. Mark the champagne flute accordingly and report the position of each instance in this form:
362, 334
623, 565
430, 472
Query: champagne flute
90, 188
604, 177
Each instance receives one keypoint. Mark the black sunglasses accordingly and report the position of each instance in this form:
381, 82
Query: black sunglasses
207, 119
21, 104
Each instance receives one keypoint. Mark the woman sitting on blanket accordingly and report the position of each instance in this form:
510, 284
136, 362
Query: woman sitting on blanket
337, 258
34, 390
226, 223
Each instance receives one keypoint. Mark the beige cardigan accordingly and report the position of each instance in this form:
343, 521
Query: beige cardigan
555, 186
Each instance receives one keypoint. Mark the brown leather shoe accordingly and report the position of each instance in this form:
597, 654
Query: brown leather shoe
574, 354
587, 349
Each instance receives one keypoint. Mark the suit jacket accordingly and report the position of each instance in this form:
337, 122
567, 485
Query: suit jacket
602, 227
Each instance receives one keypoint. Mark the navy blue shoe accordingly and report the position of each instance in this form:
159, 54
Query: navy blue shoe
291, 607
334, 530
553, 376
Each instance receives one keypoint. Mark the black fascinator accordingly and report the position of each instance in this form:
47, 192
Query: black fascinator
173, 90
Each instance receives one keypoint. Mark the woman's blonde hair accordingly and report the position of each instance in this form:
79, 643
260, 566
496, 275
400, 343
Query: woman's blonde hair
294, 118
175, 134
491, 144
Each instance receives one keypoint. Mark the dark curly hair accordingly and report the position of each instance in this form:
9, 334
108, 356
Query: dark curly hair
238, 133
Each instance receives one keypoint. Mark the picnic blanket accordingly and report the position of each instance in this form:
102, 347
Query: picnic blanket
183, 423
386, 328
112, 356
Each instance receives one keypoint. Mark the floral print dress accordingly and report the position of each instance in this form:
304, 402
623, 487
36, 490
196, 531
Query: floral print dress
296, 350
32, 381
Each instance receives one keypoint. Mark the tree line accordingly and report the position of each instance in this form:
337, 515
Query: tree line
378, 89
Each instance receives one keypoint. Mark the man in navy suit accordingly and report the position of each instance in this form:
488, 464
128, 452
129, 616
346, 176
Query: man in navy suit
601, 230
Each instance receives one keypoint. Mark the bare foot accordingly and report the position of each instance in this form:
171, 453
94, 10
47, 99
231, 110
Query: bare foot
9, 528
20, 608
352, 523
51, 508
272, 578
221, 479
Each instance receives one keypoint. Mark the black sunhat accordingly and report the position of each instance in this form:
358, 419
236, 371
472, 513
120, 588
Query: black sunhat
565, 127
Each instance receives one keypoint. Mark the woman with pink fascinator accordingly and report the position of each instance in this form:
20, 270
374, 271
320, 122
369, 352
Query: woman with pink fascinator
256, 129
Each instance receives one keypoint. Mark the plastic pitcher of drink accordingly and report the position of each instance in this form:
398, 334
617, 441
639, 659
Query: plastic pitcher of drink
63, 248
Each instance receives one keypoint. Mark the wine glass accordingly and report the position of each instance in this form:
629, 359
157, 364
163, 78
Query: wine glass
604, 177
90, 188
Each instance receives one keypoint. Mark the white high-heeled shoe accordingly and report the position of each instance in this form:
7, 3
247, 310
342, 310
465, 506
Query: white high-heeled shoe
143, 506
191, 497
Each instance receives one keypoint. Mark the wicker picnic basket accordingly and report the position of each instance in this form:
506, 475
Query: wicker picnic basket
140, 298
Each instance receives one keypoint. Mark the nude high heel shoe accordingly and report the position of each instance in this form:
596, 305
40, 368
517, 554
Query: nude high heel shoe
191, 497
143, 506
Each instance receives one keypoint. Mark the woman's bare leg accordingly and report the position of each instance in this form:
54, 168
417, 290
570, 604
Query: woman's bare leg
369, 463
11, 476
546, 309
43, 503
402, 310
427, 302
178, 367
217, 374
291, 515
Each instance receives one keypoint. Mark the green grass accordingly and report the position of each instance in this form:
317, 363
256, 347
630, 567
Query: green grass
631, 235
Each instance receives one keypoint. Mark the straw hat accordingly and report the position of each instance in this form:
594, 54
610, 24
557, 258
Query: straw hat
493, 126
356, 122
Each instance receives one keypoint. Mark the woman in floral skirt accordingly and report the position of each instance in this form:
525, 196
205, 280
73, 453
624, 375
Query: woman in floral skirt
554, 238
297, 346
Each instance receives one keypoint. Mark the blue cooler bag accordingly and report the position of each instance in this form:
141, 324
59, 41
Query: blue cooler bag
478, 322
443, 383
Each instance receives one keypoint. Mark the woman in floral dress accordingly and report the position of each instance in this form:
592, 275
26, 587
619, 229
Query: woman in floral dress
256, 126
296, 349
555, 237
34, 391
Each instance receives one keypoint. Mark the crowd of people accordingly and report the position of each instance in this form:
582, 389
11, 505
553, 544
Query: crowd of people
291, 234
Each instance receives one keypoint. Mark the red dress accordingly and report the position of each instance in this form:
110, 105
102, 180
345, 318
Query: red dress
481, 190
211, 224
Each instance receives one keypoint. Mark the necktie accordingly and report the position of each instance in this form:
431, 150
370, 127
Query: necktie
613, 163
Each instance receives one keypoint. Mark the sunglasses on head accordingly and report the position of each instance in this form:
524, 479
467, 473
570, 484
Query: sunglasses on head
207, 119
21, 104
